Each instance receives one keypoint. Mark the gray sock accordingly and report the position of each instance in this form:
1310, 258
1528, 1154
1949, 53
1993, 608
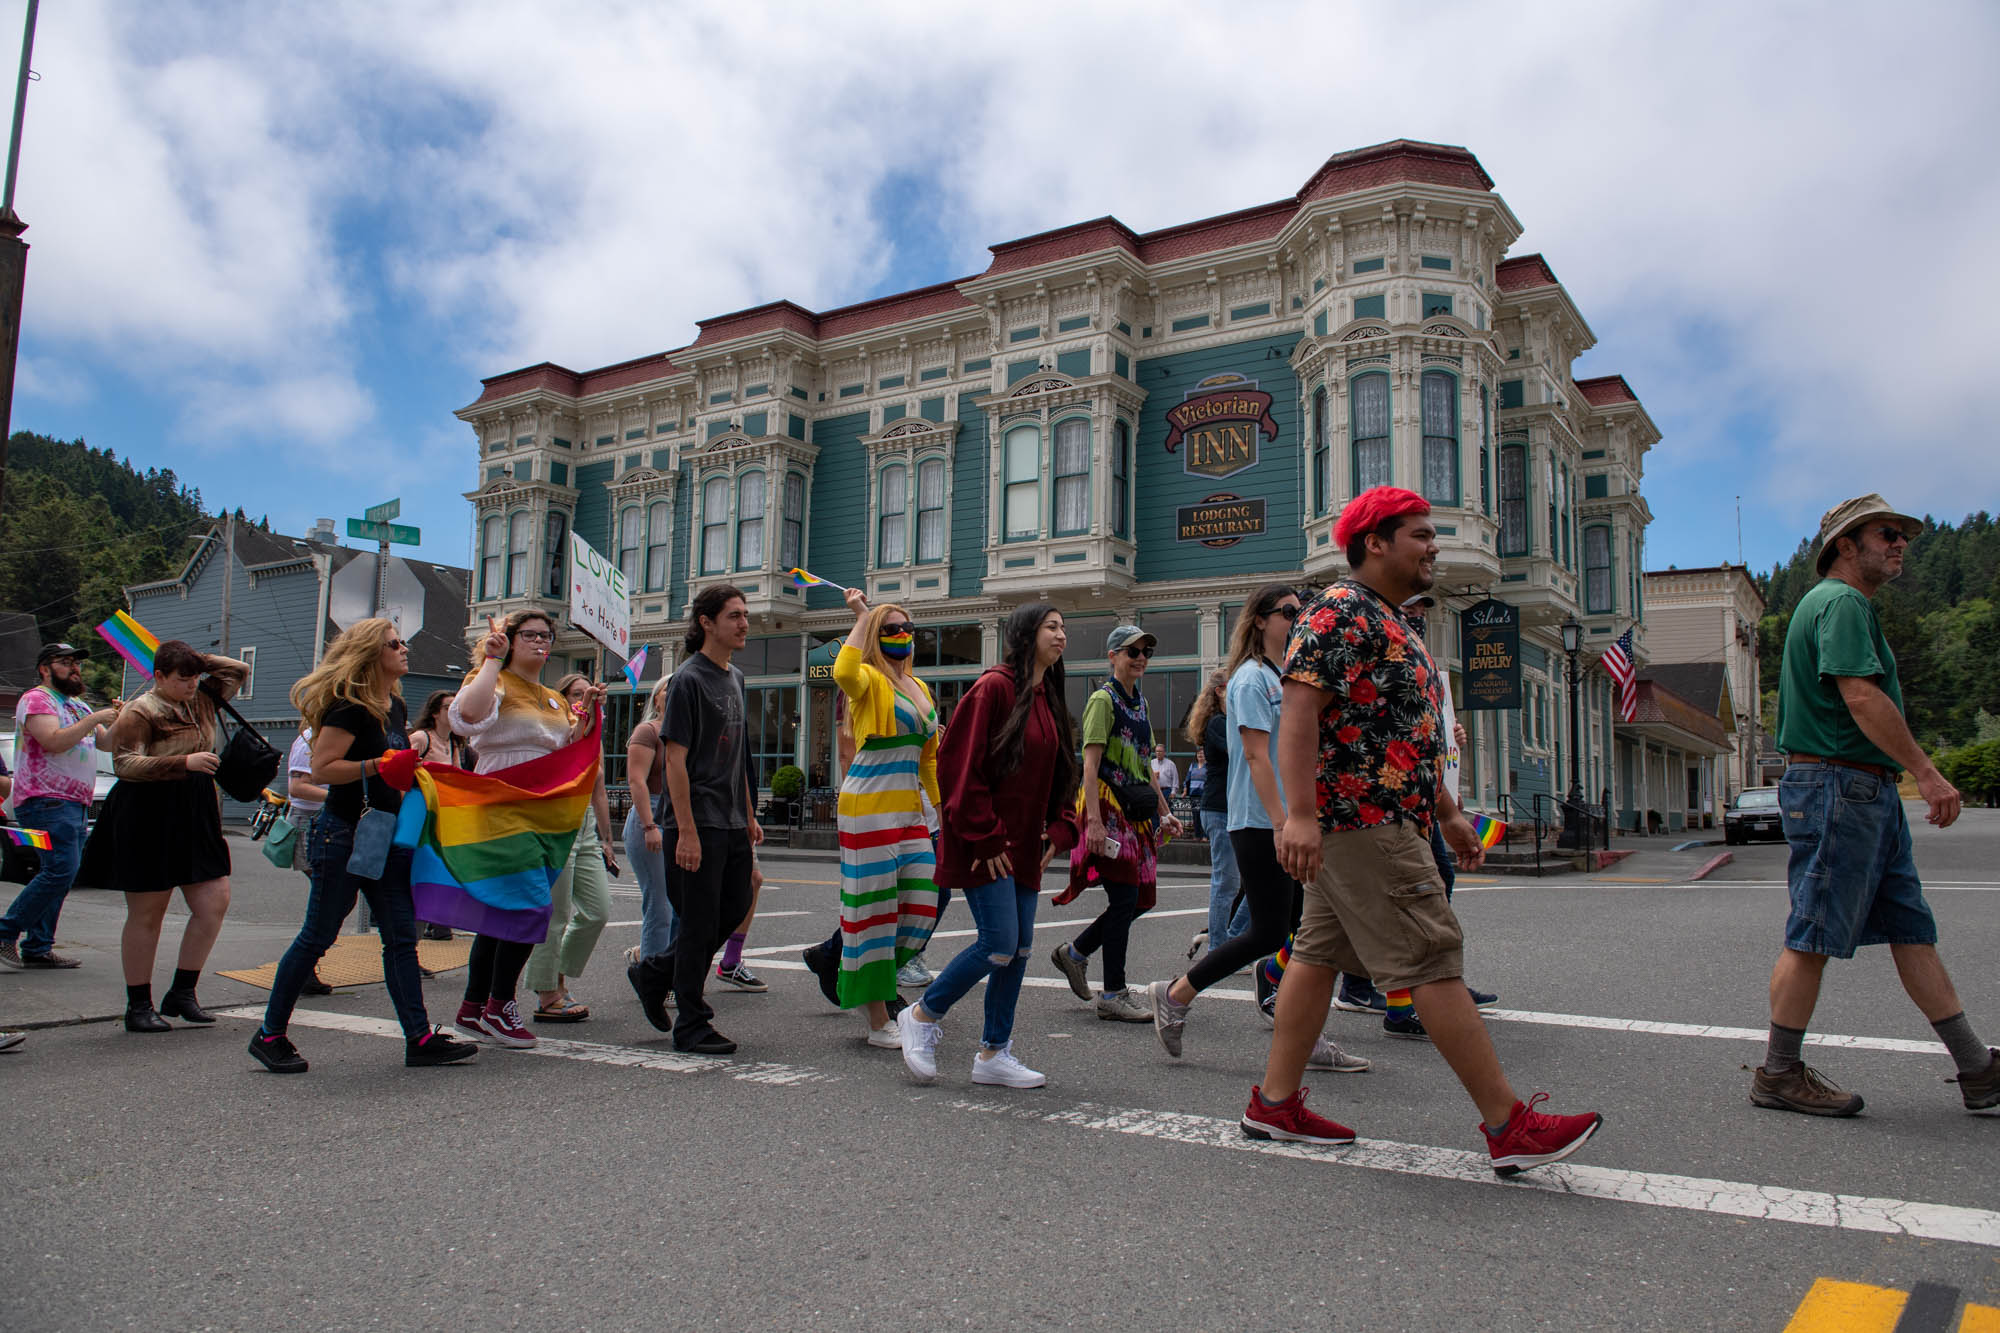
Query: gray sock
1968, 1052
1781, 1050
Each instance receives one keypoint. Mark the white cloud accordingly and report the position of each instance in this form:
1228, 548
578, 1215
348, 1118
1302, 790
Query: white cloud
1773, 212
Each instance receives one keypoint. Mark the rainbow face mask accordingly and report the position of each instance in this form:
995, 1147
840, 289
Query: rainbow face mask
897, 646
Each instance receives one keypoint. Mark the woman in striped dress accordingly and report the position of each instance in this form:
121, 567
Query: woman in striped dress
888, 900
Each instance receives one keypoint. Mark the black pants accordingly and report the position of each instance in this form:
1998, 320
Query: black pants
1111, 932
493, 969
708, 903
1276, 901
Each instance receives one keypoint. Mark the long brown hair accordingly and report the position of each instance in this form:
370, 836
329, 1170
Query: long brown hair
1206, 707
1018, 652
1245, 641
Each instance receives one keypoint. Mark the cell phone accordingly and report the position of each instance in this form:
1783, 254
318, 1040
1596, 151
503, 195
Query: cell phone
1111, 847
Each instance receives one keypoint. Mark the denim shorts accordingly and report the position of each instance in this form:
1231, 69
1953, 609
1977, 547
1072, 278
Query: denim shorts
1853, 881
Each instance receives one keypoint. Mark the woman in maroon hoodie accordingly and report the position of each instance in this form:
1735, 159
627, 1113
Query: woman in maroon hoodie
1007, 772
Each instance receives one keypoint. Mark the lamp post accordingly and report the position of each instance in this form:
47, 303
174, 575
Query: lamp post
13, 251
1572, 834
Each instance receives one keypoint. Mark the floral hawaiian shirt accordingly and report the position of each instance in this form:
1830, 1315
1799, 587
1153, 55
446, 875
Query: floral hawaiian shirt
1379, 733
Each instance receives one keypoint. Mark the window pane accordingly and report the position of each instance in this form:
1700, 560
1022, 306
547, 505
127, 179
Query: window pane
493, 535
1322, 474
1121, 480
1072, 475
895, 485
930, 509
1513, 500
518, 528
1371, 464
715, 500
958, 645
1023, 453
750, 496
1371, 432
658, 517
1175, 630
795, 513
555, 557
750, 543
1440, 409
1597, 567
629, 527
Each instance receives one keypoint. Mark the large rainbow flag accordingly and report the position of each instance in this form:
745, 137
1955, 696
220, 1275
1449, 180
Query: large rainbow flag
488, 846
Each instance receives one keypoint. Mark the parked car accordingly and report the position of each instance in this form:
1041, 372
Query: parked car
1755, 815
106, 779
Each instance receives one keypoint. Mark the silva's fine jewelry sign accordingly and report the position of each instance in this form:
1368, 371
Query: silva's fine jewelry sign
1491, 634
1220, 520
1220, 421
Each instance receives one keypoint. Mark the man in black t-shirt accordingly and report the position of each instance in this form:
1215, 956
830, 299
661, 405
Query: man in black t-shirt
709, 820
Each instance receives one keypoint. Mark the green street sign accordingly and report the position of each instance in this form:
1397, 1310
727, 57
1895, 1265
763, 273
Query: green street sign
382, 513
404, 535
400, 534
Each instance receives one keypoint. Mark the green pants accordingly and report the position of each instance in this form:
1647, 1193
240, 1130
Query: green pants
579, 905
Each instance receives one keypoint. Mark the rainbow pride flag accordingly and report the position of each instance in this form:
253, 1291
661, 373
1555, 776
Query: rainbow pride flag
29, 837
804, 580
1488, 830
133, 641
488, 846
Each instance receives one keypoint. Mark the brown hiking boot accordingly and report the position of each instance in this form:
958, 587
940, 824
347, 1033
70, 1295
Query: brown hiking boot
1982, 1090
1801, 1088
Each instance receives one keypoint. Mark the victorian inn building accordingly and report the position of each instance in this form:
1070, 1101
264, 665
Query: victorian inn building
1135, 427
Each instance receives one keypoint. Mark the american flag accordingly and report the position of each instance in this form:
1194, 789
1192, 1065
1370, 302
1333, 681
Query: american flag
1617, 663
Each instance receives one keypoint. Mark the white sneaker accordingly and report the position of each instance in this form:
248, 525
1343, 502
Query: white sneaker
888, 1037
914, 974
920, 1041
1001, 1069
1330, 1057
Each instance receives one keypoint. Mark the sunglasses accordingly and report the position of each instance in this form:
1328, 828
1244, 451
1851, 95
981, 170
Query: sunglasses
1892, 535
1138, 651
891, 631
393, 644
1288, 612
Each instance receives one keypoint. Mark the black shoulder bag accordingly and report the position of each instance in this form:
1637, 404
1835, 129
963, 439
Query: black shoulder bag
248, 760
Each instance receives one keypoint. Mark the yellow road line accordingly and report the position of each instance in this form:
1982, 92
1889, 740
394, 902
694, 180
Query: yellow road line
1627, 879
1848, 1307
1980, 1319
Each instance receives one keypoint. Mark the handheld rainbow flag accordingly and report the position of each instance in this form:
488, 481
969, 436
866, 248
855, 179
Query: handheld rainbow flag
637, 666
802, 579
133, 641
488, 846
1488, 830
29, 837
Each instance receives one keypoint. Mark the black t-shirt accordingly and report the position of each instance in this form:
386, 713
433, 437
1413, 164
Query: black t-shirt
703, 710
371, 741
1215, 749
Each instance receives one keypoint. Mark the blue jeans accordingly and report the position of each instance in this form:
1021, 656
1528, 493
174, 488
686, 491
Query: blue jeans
327, 905
1852, 879
656, 914
1447, 864
1005, 916
35, 909
1223, 881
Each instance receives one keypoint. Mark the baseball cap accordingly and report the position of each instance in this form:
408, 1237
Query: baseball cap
1125, 636
51, 651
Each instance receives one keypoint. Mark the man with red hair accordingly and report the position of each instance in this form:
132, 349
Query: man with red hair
1359, 738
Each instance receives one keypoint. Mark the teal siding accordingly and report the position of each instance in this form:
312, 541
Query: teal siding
1319, 324
968, 500
931, 409
836, 544
593, 505
1076, 365
1163, 485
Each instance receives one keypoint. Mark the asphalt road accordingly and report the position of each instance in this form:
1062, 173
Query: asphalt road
606, 1183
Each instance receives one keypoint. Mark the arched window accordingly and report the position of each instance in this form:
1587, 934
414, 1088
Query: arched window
492, 546
1370, 413
1597, 570
1021, 473
1121, 480
793, 518
555, 556
892, 506
659, 517
715, 525
631, 540
1072, 477
520, 529
750, 521
930, 510
1440, 407
1322, 464
1513, 499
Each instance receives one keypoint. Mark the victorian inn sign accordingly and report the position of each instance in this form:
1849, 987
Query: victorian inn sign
1134, 426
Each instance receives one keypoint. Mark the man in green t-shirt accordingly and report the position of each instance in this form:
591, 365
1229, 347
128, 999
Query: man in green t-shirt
1853, 880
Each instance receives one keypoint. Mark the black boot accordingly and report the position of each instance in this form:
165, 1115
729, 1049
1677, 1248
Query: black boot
144, 1018
181, 1004
653, 981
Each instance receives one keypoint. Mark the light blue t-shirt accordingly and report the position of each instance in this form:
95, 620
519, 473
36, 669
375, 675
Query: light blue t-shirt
1254, 696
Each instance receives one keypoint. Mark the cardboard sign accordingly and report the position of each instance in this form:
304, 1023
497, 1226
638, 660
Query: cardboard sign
600, 603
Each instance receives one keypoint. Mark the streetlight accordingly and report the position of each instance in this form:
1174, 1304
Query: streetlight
1572, 834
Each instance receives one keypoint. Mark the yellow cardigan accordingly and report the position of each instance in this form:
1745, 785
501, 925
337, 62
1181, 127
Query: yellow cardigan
871, 710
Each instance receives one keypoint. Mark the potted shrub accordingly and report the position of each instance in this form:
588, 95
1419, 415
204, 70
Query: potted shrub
787, 785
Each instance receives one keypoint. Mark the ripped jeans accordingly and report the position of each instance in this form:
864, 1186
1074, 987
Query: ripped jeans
1005, 915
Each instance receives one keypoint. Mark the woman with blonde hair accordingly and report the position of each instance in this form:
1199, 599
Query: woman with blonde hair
579, 900
353, 701
888, 894
650, 965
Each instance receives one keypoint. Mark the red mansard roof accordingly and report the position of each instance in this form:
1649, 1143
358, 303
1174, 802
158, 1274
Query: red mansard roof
1606, 390
1524, 271
1397, 160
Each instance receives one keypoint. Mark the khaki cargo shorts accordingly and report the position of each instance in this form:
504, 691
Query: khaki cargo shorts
1378, 898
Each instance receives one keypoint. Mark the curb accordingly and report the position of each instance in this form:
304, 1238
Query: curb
78, 1021
1713, 864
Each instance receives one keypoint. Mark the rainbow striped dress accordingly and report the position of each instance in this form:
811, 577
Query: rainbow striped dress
888, 900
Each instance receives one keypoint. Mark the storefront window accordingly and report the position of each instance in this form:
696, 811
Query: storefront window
771, 722
1177, 632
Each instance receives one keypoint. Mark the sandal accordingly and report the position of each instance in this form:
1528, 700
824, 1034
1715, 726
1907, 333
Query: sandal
564, 1010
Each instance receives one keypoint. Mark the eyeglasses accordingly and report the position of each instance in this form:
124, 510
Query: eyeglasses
892, 630
536, 636
1138, 651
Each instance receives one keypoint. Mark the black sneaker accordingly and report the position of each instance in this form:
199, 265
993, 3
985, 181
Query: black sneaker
1407, 1026
823, 965
710, 1042
1267, 994
276, 1053
1482, 999
314, 986
437, 1047
51, 961
1359, 997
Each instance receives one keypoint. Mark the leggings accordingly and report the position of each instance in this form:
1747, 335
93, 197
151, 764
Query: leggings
494, 969
1275, 902
1112, 931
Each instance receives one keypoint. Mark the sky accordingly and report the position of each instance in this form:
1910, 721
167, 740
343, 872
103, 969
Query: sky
275, 246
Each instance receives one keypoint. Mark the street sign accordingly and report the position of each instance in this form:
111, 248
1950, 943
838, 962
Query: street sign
399, 533
382, 513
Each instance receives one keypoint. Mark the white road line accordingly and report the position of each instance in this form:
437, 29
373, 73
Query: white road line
1774, 1203
770, 950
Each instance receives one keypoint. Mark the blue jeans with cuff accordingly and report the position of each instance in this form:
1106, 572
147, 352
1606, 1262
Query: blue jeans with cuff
1005, 915
35, 909
1223, 882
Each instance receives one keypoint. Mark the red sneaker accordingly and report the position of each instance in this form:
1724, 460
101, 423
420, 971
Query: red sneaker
1290, 1120
1534, 1139
468, 1020
502, 1023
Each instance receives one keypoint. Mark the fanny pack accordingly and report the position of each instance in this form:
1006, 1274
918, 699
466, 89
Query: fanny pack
1140, 801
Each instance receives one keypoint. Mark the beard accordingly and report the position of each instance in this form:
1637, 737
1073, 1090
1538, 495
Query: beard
69, 685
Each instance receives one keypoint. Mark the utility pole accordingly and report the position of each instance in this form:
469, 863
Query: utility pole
228, 573
13, 254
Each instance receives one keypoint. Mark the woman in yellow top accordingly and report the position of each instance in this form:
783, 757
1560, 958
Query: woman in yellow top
888, 902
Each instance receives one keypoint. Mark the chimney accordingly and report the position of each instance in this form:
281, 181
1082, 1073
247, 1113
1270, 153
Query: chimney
321, 531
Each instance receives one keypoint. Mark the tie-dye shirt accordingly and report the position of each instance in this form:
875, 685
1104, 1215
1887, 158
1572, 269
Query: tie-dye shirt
69, 776
528, 721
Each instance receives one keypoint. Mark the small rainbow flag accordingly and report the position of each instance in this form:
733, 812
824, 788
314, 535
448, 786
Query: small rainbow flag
637, 666
133, 641
802, 579
29, 837
488, 846
1488, 830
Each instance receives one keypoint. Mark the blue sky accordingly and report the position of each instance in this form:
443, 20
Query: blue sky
276, 246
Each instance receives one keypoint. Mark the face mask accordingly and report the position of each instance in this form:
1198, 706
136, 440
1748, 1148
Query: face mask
895, 647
